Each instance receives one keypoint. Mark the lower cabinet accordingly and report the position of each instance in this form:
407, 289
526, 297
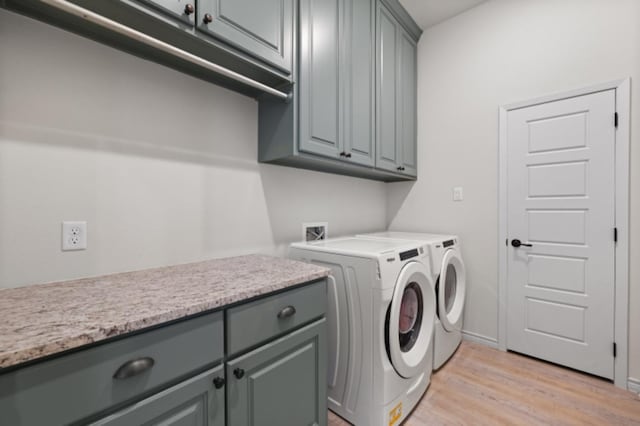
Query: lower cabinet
281, 383
271, 371
199, 401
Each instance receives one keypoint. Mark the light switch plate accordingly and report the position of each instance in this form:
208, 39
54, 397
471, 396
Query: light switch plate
457, 193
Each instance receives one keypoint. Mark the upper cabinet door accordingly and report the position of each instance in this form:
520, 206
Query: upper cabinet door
387, 86
185, 10
358, 75
407, 104
320, 90
263, 28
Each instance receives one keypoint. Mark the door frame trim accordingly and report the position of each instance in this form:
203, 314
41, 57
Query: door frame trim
621, 301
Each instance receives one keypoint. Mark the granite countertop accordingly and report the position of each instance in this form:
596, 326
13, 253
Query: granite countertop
46, 319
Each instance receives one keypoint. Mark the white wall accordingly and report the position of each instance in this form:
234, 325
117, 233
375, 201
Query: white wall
161, 165
497, 53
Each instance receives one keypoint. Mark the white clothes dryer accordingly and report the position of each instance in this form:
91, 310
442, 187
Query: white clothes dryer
380, 324
449, 274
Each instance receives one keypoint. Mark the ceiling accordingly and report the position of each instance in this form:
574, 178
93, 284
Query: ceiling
428, 13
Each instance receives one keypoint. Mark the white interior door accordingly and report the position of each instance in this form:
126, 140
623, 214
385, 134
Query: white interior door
561, 202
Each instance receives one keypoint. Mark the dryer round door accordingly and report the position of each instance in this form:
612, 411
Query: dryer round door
411, 319
451, 291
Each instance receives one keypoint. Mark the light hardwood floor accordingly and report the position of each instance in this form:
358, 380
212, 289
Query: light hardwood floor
483, 386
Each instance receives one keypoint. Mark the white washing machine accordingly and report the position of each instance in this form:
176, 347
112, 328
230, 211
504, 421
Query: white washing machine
449, 274
381, 316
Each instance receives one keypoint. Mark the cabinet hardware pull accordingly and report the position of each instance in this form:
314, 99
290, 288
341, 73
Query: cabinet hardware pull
189, 9
207, 18
117, 27
287, 312
342, 154
348, 155
239, 373
218, 382
400, 168
134, 367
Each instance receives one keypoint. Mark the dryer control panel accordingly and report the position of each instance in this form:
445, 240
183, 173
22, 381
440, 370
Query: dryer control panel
404, 255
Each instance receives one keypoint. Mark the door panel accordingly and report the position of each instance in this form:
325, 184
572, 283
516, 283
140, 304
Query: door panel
320, 98
359, 81
407, 105
194, 402
386, 93
262, 28
282, 383
174, 8
561, 200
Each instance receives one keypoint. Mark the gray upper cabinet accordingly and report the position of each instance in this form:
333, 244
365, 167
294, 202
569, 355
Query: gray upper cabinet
387, 147
181, 9
351, 101
261, 28
396, 108
407, 105
359, 81
336, 79
253, 38
321, 106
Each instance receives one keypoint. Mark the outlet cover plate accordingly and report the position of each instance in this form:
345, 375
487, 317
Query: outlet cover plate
74, 235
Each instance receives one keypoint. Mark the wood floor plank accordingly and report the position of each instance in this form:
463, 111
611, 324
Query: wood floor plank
484, 386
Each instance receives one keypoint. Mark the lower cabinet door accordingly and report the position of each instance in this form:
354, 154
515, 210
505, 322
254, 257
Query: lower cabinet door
194, 402
281, 383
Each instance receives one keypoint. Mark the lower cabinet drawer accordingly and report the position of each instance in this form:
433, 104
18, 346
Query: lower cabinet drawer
72, 387
255, 322
282, 383
198, 401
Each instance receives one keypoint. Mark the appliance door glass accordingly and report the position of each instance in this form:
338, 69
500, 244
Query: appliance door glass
411, 320
451, 291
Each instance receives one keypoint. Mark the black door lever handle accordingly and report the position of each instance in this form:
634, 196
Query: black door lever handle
517, 243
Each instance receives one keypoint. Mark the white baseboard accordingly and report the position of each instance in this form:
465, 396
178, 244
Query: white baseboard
479, 338
633, 385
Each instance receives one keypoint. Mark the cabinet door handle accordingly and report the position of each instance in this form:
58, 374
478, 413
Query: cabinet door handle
133, 367
207, 18
218, 382
348, 155
189, 9
239, 373
400, 168
287, 312
343, 154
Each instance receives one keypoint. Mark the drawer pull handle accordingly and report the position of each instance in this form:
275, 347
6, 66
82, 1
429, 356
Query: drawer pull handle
239, 373
134, 367
286, 312
218, 382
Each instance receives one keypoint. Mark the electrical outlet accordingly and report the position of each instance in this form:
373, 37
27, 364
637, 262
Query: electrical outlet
74, 236
457, 193
315, 231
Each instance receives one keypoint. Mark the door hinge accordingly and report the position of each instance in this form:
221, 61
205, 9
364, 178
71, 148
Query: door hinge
615, 349
615, 235
615, 119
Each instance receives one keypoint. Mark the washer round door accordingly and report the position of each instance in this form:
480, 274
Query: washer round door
411, 320
451, 291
